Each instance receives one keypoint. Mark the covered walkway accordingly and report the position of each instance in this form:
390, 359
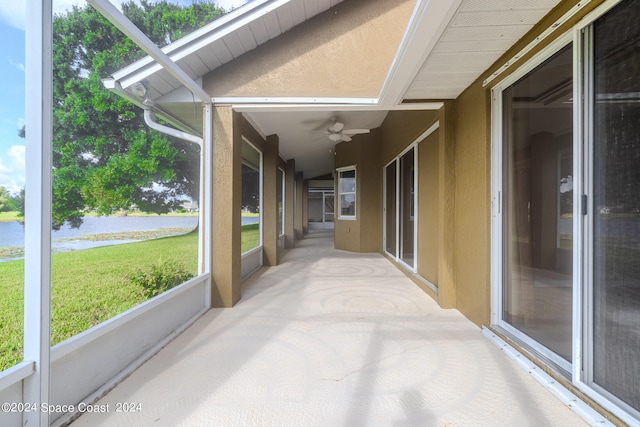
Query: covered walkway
332, 338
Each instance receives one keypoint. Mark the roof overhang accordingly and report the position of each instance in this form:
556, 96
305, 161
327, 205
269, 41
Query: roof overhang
445, 46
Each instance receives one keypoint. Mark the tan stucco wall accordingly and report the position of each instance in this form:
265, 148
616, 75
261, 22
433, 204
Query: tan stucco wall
347, 232
362, 234
370, 176
401, 128
344, 52
270, 218
428, 207
472, 213
225, 229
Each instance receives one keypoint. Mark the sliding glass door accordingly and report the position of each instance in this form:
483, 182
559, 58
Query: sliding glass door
538, 206
614, 166
400, 208
566, 217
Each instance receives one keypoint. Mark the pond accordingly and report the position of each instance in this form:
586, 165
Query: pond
67, 238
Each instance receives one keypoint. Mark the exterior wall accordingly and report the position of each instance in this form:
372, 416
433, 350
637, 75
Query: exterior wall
225, 230
401, 128
428, 207
289, 201
361, 234
309, 60
347, 231
271, 161
472, 213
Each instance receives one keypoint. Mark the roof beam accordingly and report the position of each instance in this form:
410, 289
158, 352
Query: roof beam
426, 25
116, 17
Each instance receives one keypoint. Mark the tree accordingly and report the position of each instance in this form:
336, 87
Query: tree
105, 158
10, 201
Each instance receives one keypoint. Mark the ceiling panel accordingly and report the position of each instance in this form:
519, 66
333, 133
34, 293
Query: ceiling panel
246, 39
285, 18
479, 33
259, 31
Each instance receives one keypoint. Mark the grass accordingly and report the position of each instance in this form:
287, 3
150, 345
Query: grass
11, 216
92, 285
250, 236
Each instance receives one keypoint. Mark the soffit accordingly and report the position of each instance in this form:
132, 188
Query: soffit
480, 32
445, 45
221, 41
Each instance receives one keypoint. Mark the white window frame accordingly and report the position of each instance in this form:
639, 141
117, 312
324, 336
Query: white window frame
414, 145
497, 203
340, 193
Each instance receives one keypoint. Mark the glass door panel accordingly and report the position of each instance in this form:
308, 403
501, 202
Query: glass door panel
538, 205
329, 201
390, 209
407, 208
616, 203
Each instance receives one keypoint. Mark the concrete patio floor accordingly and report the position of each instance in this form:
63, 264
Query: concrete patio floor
332, 338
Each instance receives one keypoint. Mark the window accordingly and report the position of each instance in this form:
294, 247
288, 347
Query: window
347, 192
251, 197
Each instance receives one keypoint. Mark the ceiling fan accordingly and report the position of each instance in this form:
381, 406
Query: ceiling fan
337, 133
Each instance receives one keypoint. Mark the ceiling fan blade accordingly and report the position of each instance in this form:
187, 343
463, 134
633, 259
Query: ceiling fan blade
335, 137
355, 131
336, 127
345, 138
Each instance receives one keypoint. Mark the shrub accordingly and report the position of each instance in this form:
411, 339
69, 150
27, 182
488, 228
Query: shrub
159, 278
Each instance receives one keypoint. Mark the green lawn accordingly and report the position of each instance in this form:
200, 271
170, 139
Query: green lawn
92, 285
10, 216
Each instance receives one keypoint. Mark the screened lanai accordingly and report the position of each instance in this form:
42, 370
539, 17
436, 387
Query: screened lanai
379, 149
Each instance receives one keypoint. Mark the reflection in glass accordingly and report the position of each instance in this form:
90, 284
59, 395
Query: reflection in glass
538, 204
280, 200
347, 190
390, 208
251, 193
407, 206
616, 219
329, 201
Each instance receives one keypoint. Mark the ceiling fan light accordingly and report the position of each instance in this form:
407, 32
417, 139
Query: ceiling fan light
335, 137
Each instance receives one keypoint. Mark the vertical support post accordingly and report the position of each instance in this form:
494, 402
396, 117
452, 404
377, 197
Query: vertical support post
204, 202
226, 189
305, 207
446, 229
290, 207
37, 277
270, 201
299, 200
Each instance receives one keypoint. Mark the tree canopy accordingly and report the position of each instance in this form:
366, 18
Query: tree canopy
10, 201
104, 157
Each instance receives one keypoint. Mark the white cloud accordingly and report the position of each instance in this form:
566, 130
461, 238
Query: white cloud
12, 175
13, 13
13, 63
16, 155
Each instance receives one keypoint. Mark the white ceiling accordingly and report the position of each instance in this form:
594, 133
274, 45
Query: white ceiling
302, 134
447, 46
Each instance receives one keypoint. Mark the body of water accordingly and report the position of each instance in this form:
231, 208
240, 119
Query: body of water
12, 233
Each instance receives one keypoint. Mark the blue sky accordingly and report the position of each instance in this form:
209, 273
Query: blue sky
12, 59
